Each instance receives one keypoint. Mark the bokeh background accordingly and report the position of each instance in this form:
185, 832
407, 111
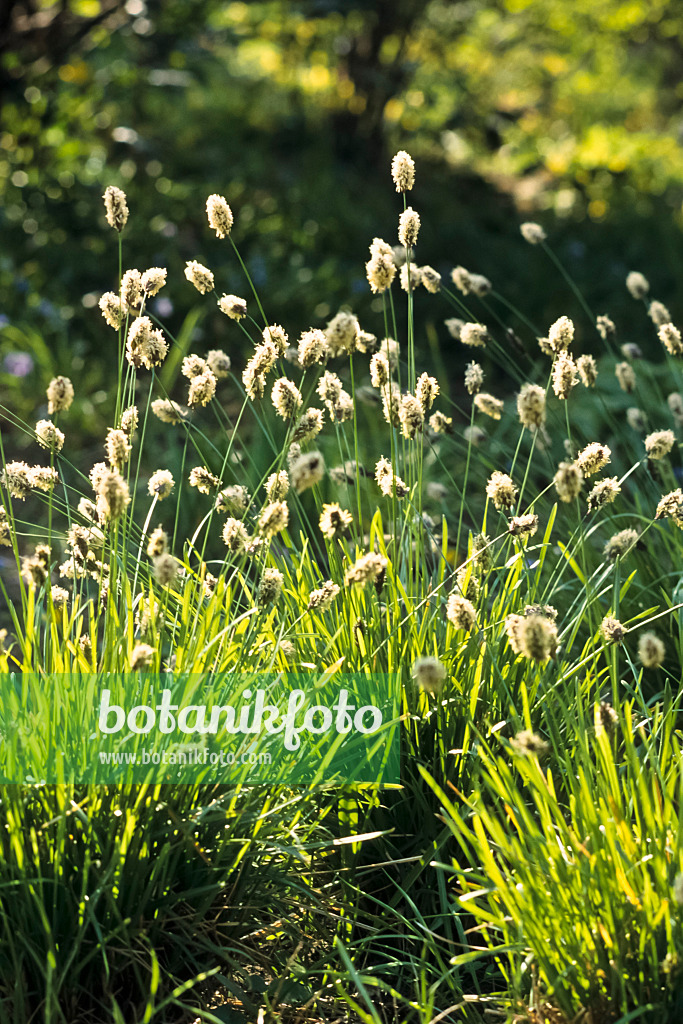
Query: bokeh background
564, 111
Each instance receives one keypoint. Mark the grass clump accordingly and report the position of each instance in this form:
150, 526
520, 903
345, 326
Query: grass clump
510, 553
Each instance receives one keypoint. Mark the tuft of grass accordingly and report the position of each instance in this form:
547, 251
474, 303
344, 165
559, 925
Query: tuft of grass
437, 521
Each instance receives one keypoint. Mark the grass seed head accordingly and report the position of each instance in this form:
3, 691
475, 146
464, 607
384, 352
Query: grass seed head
273, 519
658, 313
334, 521
199, 276
43, 477
233, 306
129, 421
368, 568
132, 293
535, 636
387, 481
408, 227
561, 335
391, 404
111, 309
158, 543
670, 338
565, 375
454, 327
532, 233
637, 284
605, 327
141, 657
329, 387
324, 598
118, 447
380, 271
460, 612
431, 279
630, 350
588, 370
218, 363
169, 412
59, 596
593, 458
192, 366
531, 406
529, 744
675, 403
113, 496
671, 505
442, 424
379, 370
474, 378
165, 569
342, 334
202, 389
603, 493
152, 281
620, 544
309, 426
235, 536
5, 529
489, 405
501, 490
523, 526
612, 630
651, 650
636, 419
467, 582
204, 480
34, 571
626, 376
568, 481
286, 398
116, 208
480, 285
474, 335
659, 444
145, 345
161, 483
429, 674
219, 215
462, 279
426, 390
312, 348
403, 171
276, 336
277, 486
308, 469
60, 395
49, 436
411, 415
234, 500
270, 587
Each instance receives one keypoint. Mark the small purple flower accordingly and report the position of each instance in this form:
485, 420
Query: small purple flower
18, 364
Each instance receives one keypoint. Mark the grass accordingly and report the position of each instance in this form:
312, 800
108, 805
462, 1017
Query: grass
332, 508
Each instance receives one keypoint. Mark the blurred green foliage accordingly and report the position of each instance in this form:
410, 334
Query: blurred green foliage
565, 110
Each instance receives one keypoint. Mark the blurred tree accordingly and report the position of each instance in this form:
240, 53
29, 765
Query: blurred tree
293, 109
44, 34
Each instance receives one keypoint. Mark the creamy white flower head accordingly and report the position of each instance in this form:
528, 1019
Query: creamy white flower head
219, 215
403, 171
